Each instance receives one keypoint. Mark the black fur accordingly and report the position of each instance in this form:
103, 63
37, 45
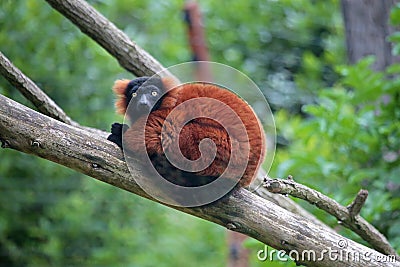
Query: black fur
144, 102
117, 130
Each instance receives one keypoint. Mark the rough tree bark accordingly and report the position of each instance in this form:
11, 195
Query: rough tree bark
367, 29
348, 216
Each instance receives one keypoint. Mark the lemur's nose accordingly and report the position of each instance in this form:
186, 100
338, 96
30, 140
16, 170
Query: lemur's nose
144, 101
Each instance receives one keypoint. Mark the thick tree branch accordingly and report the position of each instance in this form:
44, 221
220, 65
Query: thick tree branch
36, 96
31, 132
129, 55
352, 221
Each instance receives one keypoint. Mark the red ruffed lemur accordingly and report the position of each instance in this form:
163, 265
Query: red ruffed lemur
157, 98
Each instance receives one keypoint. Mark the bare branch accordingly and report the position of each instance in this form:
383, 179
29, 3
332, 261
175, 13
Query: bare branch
36, 96
31, 132
31, 91
355, 207
357, 224
129, 55
285, 202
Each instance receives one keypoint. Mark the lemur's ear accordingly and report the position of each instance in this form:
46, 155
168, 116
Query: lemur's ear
119, 89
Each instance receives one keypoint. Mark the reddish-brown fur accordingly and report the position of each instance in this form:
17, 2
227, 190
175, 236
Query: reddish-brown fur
119, 89
198, 129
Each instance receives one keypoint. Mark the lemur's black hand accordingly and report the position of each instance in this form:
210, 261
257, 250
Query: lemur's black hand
117, 130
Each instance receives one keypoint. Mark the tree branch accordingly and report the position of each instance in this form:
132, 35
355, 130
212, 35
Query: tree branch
355, 207
129, 55
31, 91
31, 132
36, 96
352, 221
284, 202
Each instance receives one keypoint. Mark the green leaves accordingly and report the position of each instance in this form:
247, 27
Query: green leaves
395, 14
350, 141
395, 21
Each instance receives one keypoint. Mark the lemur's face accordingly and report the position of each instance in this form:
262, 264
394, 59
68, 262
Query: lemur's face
142, 94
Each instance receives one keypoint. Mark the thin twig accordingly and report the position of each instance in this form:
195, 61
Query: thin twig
284, 202
357, 224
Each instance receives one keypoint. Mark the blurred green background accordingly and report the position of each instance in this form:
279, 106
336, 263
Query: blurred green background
336, 136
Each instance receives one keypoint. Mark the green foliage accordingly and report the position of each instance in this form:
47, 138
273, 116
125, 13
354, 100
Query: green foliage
395, 20
351, 141
107, 227
278, 42
54, 56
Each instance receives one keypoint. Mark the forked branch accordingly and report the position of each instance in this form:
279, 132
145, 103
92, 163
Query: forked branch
347, 217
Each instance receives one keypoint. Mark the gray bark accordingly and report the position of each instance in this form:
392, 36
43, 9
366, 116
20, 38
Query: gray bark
367, 28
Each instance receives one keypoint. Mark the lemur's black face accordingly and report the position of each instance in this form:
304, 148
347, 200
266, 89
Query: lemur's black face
143, 94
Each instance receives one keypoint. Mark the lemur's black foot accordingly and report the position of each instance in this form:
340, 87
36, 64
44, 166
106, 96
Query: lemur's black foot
117, 130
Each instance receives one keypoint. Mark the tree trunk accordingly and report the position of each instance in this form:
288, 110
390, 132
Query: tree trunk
367, 28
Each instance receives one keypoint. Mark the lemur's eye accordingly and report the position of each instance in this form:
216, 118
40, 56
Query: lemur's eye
134, 94
154, 93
